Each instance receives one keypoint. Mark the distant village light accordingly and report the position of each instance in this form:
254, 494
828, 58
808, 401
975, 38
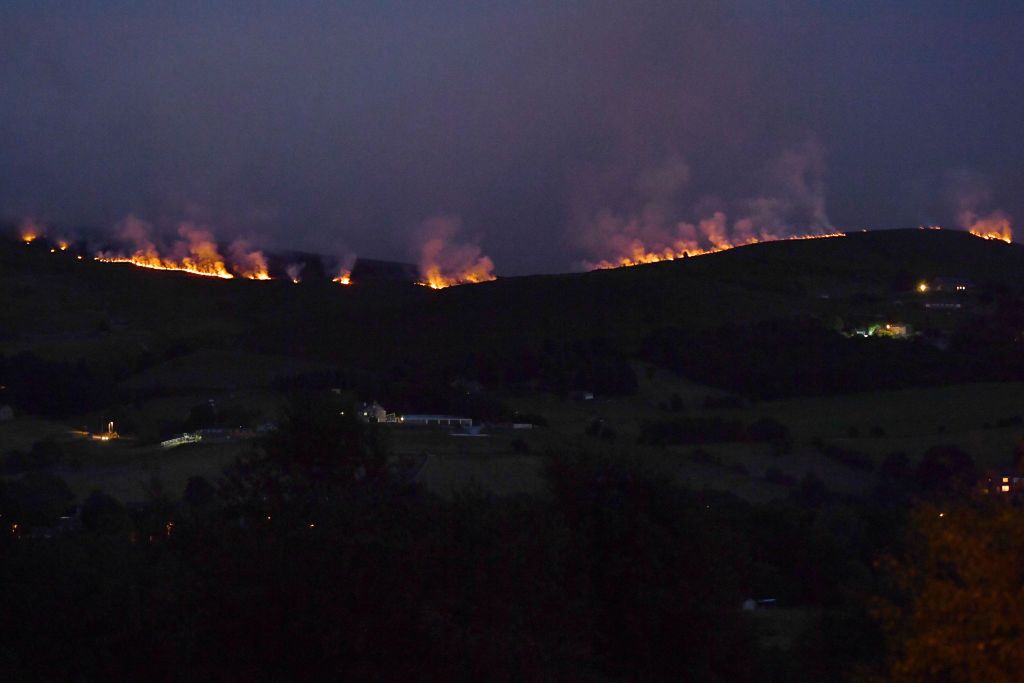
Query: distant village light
922, 286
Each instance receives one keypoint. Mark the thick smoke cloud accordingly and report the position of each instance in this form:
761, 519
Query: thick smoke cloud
548, 129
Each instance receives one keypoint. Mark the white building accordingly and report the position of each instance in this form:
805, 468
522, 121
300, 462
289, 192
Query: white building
442, 420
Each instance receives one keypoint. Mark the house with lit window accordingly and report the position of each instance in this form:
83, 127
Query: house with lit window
1007, 482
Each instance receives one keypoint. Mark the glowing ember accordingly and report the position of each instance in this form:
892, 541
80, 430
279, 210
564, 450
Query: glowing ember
63, 245
29, 234
294, 271
636, 253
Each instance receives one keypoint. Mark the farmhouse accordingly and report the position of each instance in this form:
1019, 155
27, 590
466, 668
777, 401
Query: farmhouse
372, 412
1006, 482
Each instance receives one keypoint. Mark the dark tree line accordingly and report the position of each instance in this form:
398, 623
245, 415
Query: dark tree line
784, 358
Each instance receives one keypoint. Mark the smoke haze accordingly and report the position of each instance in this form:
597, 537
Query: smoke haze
547, 134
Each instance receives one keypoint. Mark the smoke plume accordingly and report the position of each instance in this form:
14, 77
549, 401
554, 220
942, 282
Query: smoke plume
971, 197
444, 262
657, 217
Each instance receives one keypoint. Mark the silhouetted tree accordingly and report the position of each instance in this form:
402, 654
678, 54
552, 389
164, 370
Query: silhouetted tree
945, 471
957, 614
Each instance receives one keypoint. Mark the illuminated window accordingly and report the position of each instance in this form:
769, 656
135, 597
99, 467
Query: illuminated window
1004, 488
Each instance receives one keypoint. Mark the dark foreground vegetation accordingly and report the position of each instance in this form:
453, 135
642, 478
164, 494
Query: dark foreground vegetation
314, 559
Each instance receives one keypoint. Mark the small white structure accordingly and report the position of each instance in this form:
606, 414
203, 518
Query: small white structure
6, 413
186, 438
442, 420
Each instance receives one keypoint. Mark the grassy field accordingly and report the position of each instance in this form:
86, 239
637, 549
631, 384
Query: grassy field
509, 461
130, 472
875, 424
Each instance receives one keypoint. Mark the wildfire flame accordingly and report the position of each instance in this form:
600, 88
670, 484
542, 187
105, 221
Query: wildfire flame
246, 263
195, 253
481, 272
444, 264
30, 231
995, 226
344, 278
636, 253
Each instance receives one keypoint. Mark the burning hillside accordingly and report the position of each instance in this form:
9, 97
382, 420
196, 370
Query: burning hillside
635, 252
995, 226
195, 252
444, 263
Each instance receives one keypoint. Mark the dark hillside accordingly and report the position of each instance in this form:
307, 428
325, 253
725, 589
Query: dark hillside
120, 318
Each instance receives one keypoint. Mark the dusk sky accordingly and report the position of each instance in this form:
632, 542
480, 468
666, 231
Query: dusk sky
538, 129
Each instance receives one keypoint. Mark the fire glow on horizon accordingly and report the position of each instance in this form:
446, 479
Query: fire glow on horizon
197, 253
638, 254
30, 231
445, 262
999, 231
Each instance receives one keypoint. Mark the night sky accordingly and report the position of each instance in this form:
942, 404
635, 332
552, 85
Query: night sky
538, 130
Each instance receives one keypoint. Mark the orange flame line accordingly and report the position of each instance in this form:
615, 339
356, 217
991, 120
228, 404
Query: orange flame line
640, 255
206, 270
